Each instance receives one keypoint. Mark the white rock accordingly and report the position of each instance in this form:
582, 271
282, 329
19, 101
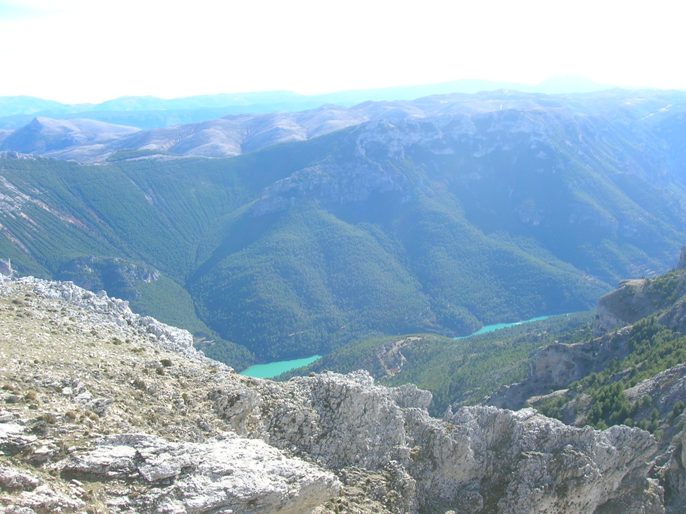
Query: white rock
13, 438
482, 459
44, 499
227, 473
11, 479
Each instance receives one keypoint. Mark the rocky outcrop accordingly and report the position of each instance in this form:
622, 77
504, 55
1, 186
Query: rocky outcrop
479, 459
231, 472
666, 393
636, 299
558, 365
105, 409
665, 389
657, 402
42, 499
100, 310
524, 462
674, 318
390, 356
12, 479
623, 306
673, 472
26, 493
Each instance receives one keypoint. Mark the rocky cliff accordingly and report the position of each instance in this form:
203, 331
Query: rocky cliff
666, 393
558, 365
634, 373
638, 298
102, 410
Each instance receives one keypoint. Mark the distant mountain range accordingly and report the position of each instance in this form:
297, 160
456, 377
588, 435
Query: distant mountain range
152, 112
95, 142
334, 224
55, 137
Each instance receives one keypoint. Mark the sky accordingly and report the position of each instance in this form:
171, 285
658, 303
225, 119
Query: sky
92, 50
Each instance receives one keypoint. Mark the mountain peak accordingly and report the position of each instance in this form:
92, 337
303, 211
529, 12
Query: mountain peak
44, 135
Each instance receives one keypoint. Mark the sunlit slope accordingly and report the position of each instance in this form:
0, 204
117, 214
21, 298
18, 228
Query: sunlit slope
441, 223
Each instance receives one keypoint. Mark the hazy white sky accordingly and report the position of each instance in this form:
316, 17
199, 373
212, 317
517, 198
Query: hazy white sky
91, 50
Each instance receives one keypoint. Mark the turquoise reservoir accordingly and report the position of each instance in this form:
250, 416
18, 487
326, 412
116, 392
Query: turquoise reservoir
274, 369
499, 326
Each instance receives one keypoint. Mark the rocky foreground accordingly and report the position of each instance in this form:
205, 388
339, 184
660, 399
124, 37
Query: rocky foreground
102, 410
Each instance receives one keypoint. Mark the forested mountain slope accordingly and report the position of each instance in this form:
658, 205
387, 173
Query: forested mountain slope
439, 215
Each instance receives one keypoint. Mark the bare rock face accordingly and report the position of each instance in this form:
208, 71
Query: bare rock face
91, 419
636, 299
232, 473
665, 389
12, 479
666, 392
14, 438
480, 459
524, 462
558, 365
675, 317
674, 474
43, 499
623, 306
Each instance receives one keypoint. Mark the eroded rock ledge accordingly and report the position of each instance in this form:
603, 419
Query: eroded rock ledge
101, 409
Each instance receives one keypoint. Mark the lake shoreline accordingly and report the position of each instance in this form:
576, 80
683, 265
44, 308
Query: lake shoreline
276, 368
486, 329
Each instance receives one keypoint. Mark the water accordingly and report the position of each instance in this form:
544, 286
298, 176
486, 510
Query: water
499, 326
274, 369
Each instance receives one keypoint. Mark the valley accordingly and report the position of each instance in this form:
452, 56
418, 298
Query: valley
365, 258
342, 257
499, 326
276, 368
439, 215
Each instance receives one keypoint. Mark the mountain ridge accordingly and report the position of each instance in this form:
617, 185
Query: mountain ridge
449, 211
148, 111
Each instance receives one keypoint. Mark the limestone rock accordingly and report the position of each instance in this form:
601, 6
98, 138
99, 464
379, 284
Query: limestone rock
480, 459
557, 365
340, 420
42, 499
665, 389
638, 298
524, 462
13, 479
196, 437
674, 473
13, 438
227, 473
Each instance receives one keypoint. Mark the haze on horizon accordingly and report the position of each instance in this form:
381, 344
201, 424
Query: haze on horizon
89, 51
